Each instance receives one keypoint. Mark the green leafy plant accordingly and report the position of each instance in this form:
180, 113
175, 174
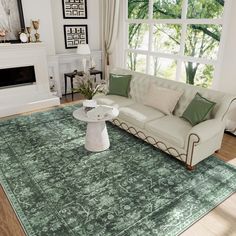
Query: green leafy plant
87, 86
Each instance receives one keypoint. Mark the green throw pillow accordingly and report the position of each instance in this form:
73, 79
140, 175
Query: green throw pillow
119, 85
198, 109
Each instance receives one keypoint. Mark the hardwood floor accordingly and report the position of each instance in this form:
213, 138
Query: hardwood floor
219, 222
228, 150
68, 99
9, 224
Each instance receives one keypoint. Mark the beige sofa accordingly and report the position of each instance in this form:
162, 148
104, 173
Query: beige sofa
170, 133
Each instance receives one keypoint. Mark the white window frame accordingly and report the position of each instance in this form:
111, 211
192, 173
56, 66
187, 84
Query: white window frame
184, 22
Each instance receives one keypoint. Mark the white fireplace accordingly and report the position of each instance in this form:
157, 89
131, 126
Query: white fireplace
27, 97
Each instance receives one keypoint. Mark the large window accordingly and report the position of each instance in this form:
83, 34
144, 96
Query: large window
175, 39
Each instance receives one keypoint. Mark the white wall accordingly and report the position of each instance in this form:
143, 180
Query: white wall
227, 69
51, 23
93, 22
226, 78
41, 9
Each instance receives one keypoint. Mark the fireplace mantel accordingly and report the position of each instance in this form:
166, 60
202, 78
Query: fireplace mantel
26, 98
20, 45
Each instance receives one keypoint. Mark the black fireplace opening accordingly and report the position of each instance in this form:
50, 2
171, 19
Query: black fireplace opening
17, 76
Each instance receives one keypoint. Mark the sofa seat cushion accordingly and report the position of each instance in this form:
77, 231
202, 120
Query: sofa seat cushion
170, 128
113, 100
138, 114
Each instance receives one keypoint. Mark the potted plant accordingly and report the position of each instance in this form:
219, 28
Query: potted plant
86, 86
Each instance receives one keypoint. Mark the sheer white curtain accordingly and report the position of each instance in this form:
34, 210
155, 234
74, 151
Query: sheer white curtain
111, 14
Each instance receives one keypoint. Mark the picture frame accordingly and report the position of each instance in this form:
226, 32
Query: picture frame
11, 19
74, 9
74, 35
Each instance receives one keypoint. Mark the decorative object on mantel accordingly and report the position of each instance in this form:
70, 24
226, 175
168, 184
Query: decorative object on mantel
23, 37
74, 9
35, 24
75, 35
11, 20
83, 50
29, 30
3, 34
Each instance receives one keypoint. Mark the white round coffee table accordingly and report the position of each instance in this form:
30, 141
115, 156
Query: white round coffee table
97, 138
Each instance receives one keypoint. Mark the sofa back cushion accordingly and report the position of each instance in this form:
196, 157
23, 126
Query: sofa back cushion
162, 99
119, 85
198, 110
139, 87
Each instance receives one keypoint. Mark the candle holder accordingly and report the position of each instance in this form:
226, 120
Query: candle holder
35, 24
29, 30
3, 34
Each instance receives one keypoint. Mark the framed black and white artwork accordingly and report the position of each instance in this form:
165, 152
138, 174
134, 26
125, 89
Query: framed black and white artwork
74, 9
11, 19
75, 34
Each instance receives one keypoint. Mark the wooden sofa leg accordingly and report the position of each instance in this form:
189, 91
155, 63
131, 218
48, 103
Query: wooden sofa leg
190, 168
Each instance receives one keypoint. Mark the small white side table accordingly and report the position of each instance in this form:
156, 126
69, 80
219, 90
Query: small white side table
97, 138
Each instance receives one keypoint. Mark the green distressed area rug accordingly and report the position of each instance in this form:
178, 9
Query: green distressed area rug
58, 188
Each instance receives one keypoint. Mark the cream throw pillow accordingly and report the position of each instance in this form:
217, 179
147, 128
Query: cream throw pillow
162, 99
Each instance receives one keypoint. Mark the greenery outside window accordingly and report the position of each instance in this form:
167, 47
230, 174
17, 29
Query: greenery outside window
175, 39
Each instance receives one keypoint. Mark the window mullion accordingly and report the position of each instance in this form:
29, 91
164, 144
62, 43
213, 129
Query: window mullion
183, 38
150, 11
150, 26
182, 49
149, 47
184, 27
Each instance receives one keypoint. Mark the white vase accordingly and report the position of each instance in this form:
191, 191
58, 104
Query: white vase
89, 104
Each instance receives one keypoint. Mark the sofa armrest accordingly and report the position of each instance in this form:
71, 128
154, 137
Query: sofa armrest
206, 130
227, 102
